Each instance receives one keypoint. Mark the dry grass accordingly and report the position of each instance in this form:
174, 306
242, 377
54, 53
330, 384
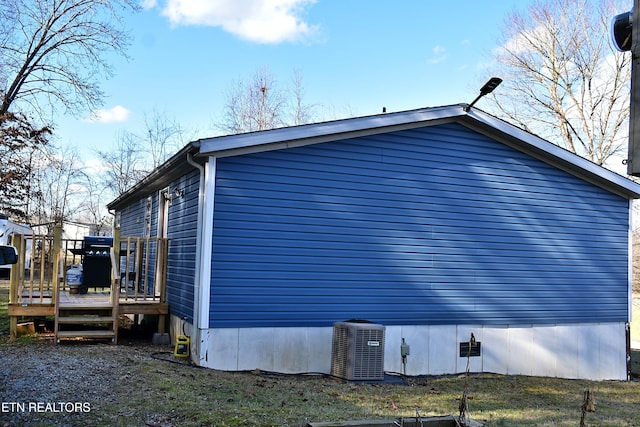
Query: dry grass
138, 384
131, 385
635, 321
4, 309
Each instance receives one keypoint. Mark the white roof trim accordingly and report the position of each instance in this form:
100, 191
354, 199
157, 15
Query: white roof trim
577, 164
337, 128
347, 128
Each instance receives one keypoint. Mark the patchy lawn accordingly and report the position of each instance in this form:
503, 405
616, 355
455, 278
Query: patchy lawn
138, 384
635, 320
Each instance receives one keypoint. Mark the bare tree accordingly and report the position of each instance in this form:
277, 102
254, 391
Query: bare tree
60, 187
20, 144
135, 155
53, 51
563, 79
51, 54
163, 137
301, 112
125, 164
92, 210
257, 105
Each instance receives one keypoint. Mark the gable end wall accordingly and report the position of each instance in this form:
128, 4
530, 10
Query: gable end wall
431, 226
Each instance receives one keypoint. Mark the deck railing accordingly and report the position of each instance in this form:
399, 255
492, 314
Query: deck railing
142, 268
138, 268
32, 278
138, 276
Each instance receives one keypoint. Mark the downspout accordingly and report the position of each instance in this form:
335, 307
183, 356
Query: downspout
630, 264
629, 288
198, 260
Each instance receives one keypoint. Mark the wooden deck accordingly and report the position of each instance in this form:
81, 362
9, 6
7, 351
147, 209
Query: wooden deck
126, 305
95, 314
90, 308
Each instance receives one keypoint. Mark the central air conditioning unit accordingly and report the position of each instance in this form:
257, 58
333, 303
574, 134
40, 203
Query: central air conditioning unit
357, 352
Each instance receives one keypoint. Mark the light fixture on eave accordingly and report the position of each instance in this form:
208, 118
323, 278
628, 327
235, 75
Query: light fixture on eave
488, 87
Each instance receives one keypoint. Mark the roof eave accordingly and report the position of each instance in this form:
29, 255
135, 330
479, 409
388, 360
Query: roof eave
551, 153
289, 137
327, 131
473, 118
159, 177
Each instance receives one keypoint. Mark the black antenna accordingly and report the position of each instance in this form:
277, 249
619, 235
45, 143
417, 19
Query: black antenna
488, 87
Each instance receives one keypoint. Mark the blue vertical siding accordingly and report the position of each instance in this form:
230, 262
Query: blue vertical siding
438, 225
182, 230
133, 223
132, 219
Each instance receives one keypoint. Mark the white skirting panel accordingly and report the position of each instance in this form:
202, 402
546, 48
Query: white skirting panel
589, 351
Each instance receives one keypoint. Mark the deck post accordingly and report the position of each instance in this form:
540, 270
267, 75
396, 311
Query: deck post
116, 247
14, 284
55, 294
13, 328
164, 270
115, 282
57, 260
163, 245
161, 321
116, 308
14, 279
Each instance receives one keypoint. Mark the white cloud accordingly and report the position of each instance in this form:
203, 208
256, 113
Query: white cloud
113, 115
261, 21
148, 4
439, 55
94, 166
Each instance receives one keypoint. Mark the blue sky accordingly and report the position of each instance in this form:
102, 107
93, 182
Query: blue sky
354, 57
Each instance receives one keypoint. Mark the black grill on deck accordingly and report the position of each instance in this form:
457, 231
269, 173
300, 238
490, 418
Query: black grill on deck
96, 262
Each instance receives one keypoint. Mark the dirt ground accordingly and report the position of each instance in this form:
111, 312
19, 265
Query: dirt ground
71, 384
138, 384
135, 383
635, 323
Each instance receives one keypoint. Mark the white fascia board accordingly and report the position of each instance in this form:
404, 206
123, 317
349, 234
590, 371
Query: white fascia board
326, 131
296, 136
576, 164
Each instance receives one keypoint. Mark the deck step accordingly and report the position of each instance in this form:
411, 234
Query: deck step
76, 307
84, 319
98, 333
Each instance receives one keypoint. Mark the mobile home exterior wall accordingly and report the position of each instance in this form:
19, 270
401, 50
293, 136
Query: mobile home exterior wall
141, 218
436, 223
433, 226
434, 232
